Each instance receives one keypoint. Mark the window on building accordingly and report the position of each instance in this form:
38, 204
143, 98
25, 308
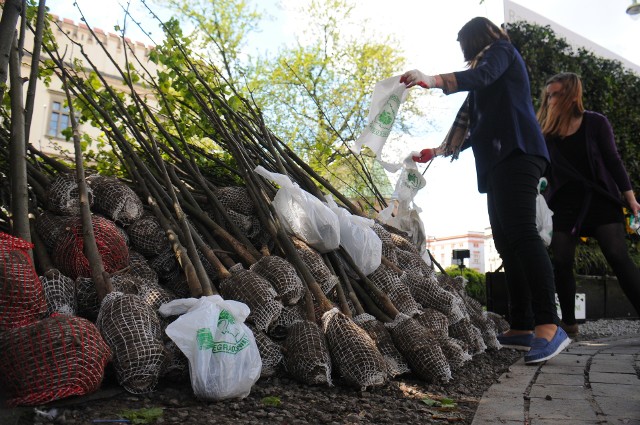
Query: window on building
58, 119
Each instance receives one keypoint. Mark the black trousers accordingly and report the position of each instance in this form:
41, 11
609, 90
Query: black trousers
511, 199
611, 238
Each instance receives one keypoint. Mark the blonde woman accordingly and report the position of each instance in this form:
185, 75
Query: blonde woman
588, 185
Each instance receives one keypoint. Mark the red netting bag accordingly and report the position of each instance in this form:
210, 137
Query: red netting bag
22, 298
69, 255
54, 358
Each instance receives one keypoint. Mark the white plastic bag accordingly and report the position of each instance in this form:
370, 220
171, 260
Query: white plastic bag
544, 220
303, 214
358, 238
224, 361
387, 96
407, 214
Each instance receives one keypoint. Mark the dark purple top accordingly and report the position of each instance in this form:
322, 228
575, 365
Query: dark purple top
607, 169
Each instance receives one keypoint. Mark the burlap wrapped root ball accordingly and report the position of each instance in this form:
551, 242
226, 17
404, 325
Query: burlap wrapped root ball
22, 299
289, 315
69, 256
471, 335
388, 281
426, 291
282, 276
256, 292
420, 348
353, 353
62, 195
306, 355
132, 330
396, 363
270, 352
114, 199
57, 357
318, 268
60, 293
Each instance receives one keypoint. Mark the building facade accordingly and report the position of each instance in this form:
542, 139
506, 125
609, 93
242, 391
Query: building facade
50, 111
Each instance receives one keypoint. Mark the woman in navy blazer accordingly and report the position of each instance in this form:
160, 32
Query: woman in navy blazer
587, 185
498, 122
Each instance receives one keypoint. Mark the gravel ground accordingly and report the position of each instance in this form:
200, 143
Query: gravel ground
279, 400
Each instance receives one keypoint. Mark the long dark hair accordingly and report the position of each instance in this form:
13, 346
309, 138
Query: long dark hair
477, 34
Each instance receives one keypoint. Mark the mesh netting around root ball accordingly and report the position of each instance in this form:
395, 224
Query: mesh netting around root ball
398, 292
408, 261
176, 363
420, 348
389, 252
467, 332
289, 315
57, 357
501, 324
139, 266
487, 329
147, 236
318, 268
383, 234
306, 356
353, 353
62, 196
22, 299
427, 292
434, 321
166, 266
455, 354
396, 363
132, 330
403, 243
178, 286
50, 227
115, 199
270, 352
60, 293
256, 292
282, 276
69, 255
235, 198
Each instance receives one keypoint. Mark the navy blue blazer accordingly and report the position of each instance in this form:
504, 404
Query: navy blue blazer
502, 119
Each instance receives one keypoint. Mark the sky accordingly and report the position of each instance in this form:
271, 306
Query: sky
427, 31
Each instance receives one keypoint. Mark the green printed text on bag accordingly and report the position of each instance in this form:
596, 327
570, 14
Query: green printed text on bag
238, 340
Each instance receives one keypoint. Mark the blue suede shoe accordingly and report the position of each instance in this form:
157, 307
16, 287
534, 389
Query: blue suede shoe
518, 342
542, 350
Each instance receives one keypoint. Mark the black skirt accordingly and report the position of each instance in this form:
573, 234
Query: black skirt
568, 204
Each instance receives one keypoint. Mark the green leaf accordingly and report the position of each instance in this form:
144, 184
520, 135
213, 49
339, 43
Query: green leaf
431, 402
271, 401
143, 416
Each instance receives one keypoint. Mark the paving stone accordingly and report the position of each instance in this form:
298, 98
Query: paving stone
619, 407
564, 370
559, 379
615, 378
612, 367
560, 410
569, 360
499, 409
560, 392
631, 392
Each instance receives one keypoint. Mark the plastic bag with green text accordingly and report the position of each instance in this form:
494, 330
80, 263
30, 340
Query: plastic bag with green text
224, 361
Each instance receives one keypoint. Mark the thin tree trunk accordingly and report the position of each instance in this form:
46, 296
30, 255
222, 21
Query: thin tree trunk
18, 152
100, 277
35, 62
10, 14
